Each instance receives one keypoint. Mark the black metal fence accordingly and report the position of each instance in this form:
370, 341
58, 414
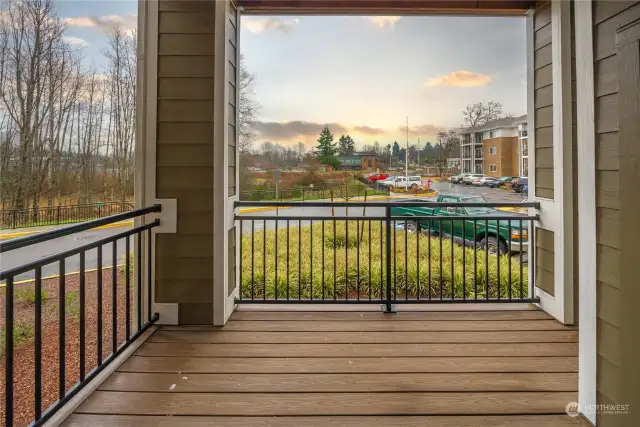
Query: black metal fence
387, 253
56, 215
64, 331
311, 193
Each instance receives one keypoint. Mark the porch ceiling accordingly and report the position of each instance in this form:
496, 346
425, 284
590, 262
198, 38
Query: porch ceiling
472, 7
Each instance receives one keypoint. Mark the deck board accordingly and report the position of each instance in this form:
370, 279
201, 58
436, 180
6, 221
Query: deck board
337, 383
84, 420
275, 316
358, 350
347, 365
385, 325
287, 404
310, 369
220, 337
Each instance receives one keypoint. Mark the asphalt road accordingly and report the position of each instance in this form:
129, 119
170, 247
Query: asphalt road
491, 194
39, 251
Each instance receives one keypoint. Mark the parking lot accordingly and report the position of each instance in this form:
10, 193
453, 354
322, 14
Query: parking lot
491, 194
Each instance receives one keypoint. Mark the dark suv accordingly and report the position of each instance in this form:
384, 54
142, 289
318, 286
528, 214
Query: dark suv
518, 183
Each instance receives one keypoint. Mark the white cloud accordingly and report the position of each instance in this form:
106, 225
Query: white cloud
383, 21
76, 41
259, 25
460, 79
106, 24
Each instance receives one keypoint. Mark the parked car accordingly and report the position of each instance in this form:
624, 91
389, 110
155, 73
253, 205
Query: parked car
484, 181
412, 182
518, 183
377, 177
491, 234
501, 181
457, 179
471, 177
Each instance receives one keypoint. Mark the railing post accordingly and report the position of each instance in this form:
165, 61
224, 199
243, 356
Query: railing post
13, 220
58, 215
388, 306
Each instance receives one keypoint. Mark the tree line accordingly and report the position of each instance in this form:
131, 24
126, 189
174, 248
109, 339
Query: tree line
67, 130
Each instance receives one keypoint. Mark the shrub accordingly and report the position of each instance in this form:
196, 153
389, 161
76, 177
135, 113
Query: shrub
28, 294
72, 303
22, 332
360, 267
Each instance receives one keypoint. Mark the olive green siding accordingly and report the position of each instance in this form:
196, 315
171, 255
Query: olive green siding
614, 368
184, 272
545, 264
542, 60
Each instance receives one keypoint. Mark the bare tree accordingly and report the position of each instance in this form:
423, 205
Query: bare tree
248, 108
478, 114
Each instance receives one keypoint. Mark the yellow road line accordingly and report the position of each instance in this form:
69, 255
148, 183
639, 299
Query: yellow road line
26, 233
55, 276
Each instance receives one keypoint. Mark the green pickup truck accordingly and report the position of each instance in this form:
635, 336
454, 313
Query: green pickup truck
491, 233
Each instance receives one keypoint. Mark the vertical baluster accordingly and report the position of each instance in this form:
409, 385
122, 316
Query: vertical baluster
149, 275
441, 256
61, 330
509, 260
275, 258
322, 246
8, 385
429, 228
138, 264
241, 252
346, 259
114, 297
264, 259
99, 311
475, 259
253, 258
288, 262
418, 233
335, 265
358, 258
486, 258
453, 289
82, 316
311, 260
37, 371
464, 259
299, 259
406, 262
127, 289
498, 255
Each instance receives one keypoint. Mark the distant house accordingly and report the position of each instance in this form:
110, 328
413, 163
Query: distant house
364, 161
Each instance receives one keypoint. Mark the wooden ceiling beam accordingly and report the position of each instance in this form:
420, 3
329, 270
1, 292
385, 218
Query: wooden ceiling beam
363, 7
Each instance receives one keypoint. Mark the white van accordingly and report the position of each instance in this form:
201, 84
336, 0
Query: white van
413, 182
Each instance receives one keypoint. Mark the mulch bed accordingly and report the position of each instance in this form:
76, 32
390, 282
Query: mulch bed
23, 377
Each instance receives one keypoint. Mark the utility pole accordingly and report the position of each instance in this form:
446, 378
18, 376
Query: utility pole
418, 152
406, 157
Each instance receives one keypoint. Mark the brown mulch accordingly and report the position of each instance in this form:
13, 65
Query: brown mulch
24, 378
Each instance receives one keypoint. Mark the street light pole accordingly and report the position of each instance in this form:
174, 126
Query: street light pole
406, 157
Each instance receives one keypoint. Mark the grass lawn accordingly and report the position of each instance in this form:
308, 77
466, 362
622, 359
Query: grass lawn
316, 264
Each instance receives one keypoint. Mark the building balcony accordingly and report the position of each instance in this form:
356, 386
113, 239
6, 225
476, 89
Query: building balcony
342, 317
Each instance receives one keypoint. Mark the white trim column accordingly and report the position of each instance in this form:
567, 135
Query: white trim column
556, 215
224, 212
587, 361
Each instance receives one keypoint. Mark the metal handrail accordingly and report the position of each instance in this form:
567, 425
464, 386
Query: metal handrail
374, 204
44, 236
128, 311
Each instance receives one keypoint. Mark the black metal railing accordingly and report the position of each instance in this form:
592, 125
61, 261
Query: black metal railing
60, 332
56, 215
386, 253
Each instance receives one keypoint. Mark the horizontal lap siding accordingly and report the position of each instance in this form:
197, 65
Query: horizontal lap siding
545, 265
543, 103
184, 272
608, 16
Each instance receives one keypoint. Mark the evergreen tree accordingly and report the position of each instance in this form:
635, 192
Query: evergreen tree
326, 149
396, 149
346, 146
326, 146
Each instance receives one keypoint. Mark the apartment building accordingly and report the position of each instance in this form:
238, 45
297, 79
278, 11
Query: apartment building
496, 148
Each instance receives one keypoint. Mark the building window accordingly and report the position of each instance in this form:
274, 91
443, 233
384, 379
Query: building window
493, 168
525, 149
478, 138
492, 134
493, 150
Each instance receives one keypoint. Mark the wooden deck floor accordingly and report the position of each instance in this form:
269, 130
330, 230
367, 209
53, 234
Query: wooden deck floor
311, 369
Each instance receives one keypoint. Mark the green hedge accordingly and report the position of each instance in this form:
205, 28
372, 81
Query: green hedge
306, 259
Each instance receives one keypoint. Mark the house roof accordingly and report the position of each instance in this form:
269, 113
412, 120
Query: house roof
497, 124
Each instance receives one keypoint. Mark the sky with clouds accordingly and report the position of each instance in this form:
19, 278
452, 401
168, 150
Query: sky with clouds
359, 75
